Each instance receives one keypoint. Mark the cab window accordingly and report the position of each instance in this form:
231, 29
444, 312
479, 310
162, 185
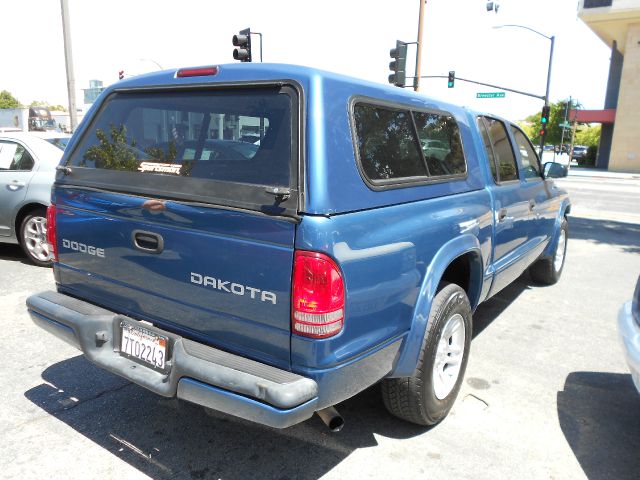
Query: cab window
441, 143
387, 143
530, 162
488, 148
399, 146
505, 158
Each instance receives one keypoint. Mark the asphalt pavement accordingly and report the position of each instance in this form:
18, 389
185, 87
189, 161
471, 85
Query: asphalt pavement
546, 395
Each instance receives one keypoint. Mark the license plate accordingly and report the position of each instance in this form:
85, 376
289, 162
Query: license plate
144, 345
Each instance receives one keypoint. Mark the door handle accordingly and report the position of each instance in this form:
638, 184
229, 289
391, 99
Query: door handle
16, 184
148, 242
502, 214
532, 204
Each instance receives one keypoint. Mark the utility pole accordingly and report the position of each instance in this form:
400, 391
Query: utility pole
564, 123
416, 80
68, 59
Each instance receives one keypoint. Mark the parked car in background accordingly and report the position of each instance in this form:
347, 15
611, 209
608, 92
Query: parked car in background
579, 152
59, 139
629, 330
27, 170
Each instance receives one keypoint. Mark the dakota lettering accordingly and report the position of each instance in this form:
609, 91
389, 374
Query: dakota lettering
236, 288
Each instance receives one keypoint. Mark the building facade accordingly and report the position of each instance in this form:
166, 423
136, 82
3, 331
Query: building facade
617, 23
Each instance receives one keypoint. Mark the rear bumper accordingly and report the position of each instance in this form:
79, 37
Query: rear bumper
630, 336
195, 372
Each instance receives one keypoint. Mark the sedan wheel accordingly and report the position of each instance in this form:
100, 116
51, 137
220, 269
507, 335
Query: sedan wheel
33, 238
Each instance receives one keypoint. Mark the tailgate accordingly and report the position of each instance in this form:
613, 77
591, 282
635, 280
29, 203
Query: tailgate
178, 207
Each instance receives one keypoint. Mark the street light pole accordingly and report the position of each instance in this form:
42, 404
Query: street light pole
152, 61
546, 96
552, 39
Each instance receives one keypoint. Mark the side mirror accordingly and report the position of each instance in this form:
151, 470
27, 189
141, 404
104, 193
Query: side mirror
554, 170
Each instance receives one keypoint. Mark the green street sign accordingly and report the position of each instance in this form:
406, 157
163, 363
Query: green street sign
490, 95
564, 125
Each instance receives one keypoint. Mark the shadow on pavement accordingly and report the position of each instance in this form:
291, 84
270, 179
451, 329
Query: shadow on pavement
599, 415
624, 235
13, 253
489, 310
167, 438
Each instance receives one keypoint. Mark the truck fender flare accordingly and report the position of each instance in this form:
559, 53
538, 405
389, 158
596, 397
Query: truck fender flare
410, 349
553, 243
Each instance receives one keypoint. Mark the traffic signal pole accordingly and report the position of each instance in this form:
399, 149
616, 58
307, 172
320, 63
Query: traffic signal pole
520, 92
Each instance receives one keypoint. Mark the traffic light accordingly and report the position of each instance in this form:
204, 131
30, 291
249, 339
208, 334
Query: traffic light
120, 74
452, 79
399, 64
544, 120
242, 42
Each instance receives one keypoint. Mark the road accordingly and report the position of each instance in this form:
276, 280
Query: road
613, 198
546, 393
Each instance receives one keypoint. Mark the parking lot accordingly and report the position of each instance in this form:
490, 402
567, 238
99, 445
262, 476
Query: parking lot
546, 392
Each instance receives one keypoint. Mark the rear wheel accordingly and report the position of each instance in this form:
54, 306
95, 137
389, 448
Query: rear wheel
426, 397
547, 271
33, 237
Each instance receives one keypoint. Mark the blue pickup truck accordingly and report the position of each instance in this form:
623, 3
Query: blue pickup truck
269, 240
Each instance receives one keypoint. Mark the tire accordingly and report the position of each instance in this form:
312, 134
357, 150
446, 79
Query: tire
547, 271
33, 237
424, 398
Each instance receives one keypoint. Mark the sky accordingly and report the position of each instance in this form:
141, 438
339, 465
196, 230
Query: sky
352, 37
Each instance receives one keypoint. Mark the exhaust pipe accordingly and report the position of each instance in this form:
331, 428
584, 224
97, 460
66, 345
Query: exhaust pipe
331, 418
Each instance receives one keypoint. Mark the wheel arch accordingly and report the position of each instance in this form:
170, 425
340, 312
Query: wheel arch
564, 210
459, 260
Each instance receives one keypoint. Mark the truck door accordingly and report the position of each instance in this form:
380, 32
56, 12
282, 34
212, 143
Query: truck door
511, 204
16, 169
542, 214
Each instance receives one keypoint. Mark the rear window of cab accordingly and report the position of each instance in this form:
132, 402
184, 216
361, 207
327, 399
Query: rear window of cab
396, 146
221, 146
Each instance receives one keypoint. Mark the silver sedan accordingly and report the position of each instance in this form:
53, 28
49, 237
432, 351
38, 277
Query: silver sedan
27, 171
629, 331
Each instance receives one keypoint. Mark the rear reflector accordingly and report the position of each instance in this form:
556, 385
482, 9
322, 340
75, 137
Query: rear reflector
51, 232
197, 71
317, 302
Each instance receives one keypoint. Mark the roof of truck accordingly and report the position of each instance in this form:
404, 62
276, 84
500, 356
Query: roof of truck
305, 76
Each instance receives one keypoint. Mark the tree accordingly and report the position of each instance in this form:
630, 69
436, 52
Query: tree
527, 128
589, 136
52, 108
113, 151
8, 101
554, 130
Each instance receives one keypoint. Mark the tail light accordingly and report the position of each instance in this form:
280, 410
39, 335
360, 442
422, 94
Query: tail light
51, 232
317, 301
